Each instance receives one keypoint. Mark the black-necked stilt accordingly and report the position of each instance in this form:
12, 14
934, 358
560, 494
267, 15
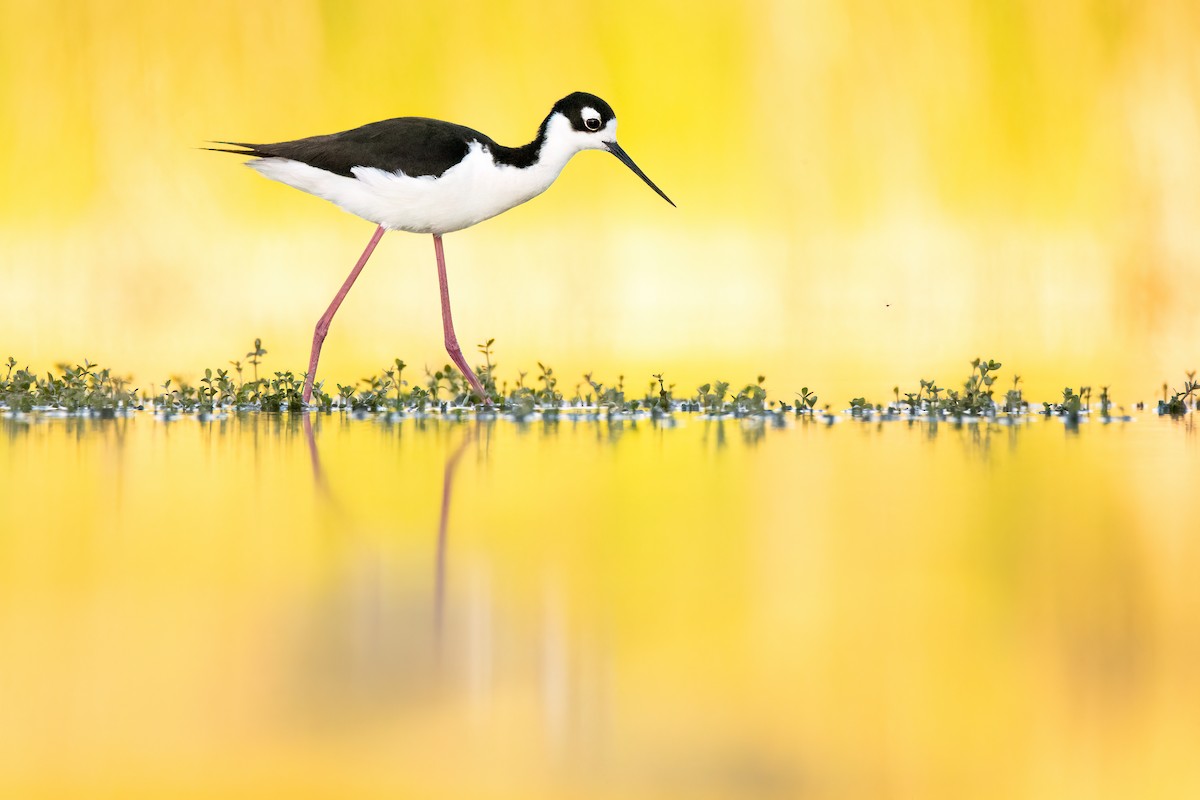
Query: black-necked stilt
428, 176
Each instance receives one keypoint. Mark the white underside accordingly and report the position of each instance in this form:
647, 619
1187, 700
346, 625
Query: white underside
471, 191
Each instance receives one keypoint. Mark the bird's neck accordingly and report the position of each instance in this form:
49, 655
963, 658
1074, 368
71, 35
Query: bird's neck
550, 149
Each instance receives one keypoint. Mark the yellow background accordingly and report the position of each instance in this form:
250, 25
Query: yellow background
868, 193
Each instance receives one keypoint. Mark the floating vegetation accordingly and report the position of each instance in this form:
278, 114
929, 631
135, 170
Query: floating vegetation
82, 388
1181, 400
90, 390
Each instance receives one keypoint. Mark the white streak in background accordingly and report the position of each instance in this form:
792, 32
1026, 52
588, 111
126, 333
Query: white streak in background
479, 666
555, 670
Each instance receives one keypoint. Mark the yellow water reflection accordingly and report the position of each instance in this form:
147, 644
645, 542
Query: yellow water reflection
264, 606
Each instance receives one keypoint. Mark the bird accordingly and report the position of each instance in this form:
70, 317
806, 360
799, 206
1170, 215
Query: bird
428, 176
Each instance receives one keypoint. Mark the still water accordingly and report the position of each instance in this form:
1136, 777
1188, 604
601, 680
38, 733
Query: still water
269, 606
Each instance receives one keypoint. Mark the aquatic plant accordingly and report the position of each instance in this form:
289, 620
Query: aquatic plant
255, 356
85, 388
859, 406
713, 401
548, 395
1071, 403
975, 398
79, 388
485, 372
664, 402
1181, 400
1013, 401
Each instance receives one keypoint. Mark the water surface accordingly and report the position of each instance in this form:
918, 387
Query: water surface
271, 606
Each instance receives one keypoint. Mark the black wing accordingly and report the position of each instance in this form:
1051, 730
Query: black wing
415, 146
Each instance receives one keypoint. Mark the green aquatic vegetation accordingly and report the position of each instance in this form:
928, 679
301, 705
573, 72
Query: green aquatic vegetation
255, 357
549, 394
933, 389
486, 372
664, 401
710, 398
521, 403
751, 400
975, 398
17, 393
285, 392
1181, 400
87, 389
396, 376
78, 389
1071, 403
1070, 406
713, 401
608, 398
1013, 401
433, 382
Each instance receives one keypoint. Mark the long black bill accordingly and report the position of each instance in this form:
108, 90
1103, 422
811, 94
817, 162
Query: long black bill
616, 150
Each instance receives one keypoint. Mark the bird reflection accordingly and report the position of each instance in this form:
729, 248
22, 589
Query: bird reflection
315, 457
439, 605
375, 636
379, 640
451, 467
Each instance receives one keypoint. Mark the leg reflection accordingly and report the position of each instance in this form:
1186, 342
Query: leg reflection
452, 462
383, 641
314, 456
327, 501
439, 602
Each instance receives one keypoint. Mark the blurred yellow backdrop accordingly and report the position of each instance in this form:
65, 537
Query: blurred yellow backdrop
868, 192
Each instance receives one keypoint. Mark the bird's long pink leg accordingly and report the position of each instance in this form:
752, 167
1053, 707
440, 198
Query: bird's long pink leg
327, 317
448, 326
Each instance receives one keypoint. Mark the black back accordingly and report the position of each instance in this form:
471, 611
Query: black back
416, 146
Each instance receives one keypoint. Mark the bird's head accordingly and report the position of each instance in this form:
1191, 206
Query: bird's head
589, 123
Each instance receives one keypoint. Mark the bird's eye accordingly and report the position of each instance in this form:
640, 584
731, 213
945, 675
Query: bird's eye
592, 123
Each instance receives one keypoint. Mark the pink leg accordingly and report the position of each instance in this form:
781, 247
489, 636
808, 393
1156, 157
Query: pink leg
323, 322
448, 326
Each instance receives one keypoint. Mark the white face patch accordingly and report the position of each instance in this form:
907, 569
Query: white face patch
591, 118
